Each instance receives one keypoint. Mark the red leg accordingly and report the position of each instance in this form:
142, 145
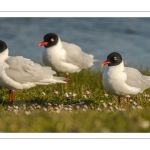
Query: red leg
67, 76
128, 100
11, 96
119, 101
57, 83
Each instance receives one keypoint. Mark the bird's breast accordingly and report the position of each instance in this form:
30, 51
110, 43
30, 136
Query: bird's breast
54, 58
114, 82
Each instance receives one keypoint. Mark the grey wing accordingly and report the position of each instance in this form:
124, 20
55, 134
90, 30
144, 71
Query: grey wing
24, 70
136, 79
76, 56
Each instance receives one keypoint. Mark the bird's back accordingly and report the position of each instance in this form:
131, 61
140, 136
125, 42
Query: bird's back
76, 56
136, 79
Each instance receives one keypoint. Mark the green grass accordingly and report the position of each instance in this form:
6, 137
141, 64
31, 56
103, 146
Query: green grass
39, 109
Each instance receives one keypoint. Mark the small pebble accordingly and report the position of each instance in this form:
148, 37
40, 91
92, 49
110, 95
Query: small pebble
66, 108
16, 111
77, 107
66, 95
74, 94
56, 108
106, 95
135, 103
38, 106
87, 92
56, 92
111, 108
146, 95
43, 93
34, 105
49, 104
70, 93
145, 124
85, 106
110, 104
16, 107
92, 107
9, 108
117, 107
84, 96
70, 109
105, 105
99, 109
61, 106
139, 107
24, 106
57, 111
27, 112
133, 107
50, 108
84, 109
45, 109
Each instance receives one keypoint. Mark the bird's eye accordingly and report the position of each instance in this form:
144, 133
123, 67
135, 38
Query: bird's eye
115, 58
52, 40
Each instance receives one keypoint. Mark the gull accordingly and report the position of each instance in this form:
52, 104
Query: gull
64, 57
19, 73
122, 81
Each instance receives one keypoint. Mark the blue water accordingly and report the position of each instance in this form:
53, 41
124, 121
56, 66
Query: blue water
98, 36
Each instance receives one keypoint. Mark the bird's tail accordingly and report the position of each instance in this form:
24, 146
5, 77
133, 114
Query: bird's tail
60, 79
147, 78
51, 81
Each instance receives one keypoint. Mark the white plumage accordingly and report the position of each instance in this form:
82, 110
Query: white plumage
19, 73
123, 81
64, 57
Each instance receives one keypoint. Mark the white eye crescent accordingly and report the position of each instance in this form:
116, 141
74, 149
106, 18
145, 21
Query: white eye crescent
115, 58
52, 40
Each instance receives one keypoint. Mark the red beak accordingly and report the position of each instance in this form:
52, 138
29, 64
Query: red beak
105, 63
43, 44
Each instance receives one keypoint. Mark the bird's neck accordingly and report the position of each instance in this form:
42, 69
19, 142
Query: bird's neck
4, 55
59, 43
119, 67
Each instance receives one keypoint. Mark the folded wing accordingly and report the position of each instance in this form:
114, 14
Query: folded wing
24, 70
76, 56
136, 79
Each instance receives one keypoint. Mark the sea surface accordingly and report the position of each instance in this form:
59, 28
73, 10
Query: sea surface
98, 36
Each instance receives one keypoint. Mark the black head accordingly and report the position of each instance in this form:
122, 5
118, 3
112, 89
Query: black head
50, 39
113, 59
3, 46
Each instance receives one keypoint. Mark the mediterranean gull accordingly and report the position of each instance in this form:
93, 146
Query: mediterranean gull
19, 73
123, 81
64, 57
